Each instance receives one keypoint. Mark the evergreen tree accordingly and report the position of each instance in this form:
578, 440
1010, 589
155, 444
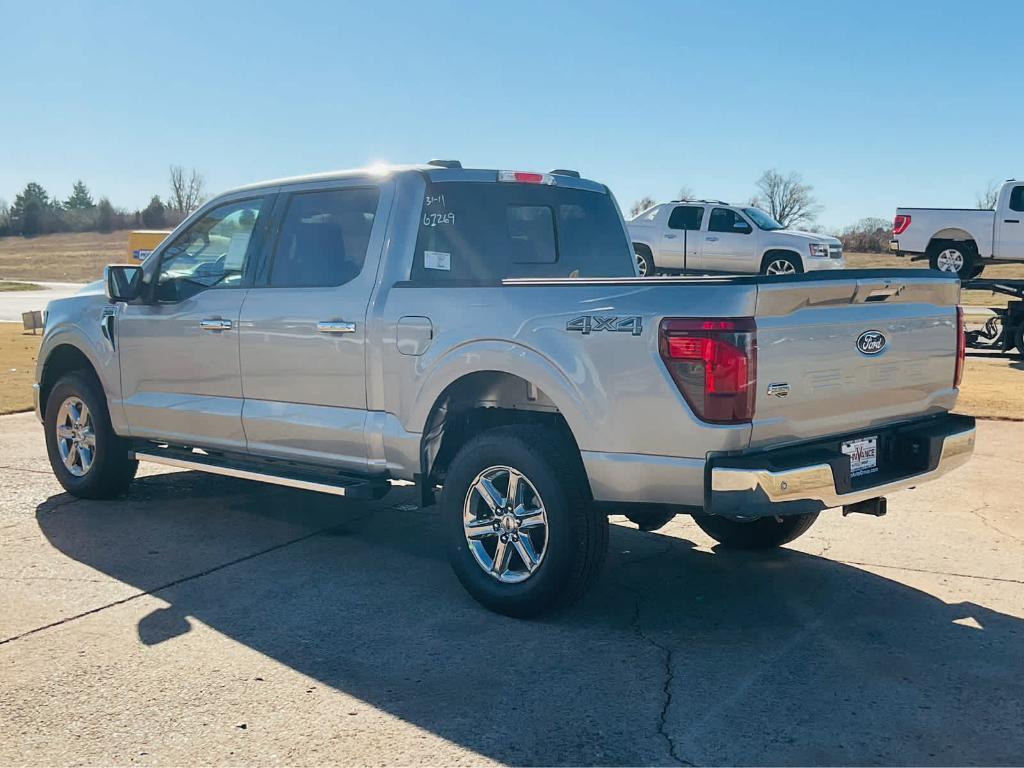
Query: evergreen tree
153, 214
105, 216
30, 210
80, 198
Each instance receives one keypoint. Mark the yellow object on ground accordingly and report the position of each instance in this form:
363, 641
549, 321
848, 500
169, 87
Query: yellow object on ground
141, 242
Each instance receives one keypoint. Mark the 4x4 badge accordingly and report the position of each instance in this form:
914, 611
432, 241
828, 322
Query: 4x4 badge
586, 324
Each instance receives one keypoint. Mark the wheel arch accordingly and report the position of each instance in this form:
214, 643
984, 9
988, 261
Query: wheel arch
63, 358
952, 235
775, 251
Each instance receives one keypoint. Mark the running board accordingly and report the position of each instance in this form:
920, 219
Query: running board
276, 473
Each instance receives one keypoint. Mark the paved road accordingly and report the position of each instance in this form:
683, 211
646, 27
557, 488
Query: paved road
13, 303
208, 620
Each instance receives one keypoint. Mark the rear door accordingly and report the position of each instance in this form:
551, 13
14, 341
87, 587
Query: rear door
303, 326
1010, 227
843, 355
730, 243
683, 233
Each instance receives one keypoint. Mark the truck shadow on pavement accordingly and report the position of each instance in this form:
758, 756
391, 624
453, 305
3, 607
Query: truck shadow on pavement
679, 654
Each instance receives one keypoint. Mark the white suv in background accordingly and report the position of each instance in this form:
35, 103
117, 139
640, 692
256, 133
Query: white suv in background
712, 236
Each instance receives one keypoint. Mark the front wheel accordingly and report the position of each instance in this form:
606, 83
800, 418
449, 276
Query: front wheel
758, 533
644, 262
522, 532
781, 264
87, 457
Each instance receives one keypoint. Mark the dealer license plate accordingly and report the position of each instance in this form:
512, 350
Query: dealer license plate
863, 453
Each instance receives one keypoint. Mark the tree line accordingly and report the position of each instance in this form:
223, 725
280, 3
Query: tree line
36, 212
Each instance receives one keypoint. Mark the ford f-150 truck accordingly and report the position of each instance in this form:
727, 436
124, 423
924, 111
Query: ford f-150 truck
711, 236
964, 240
485, 334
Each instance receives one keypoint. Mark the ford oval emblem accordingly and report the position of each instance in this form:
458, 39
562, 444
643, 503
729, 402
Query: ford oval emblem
871, 342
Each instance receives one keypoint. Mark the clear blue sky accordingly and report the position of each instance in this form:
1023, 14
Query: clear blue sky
876, 104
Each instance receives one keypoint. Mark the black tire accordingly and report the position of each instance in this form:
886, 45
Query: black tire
771, 259
1018, 337
576, 535
762, 533
650, 519
942, 255
644, 261
111, 470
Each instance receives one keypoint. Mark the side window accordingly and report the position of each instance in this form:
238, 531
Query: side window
686, 217
726, 220
323, 238
531, 233
212, 253
1017, 199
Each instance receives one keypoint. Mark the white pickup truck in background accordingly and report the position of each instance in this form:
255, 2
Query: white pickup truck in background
963, 240
712, 236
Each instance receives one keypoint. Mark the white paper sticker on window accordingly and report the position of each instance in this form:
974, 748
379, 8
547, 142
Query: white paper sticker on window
235, 257
437, 260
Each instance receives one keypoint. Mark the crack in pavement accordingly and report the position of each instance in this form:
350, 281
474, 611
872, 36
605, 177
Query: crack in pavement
990, 525
182, 580
933, 573
23, 469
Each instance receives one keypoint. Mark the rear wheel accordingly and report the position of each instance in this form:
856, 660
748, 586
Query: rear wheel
957, 258
644, 261
522, 532
758, 533
87, 457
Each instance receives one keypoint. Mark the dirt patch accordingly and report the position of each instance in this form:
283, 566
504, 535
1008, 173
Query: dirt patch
72, 257
18, 350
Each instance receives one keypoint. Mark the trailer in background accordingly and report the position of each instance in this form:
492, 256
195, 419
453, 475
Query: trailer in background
142, 242
1003, 330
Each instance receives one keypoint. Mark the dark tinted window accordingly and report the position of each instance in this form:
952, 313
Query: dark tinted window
686, 217
1017, 199
323, 238
483, 232
726, 220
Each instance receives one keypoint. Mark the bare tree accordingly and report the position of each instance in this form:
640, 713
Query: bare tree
787, 198
686, 193
186, 193
640, 205
986, 199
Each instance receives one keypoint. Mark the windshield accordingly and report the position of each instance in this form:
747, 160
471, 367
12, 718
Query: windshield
762, 219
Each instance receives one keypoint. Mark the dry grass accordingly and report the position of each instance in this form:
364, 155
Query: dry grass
73, 258
18, 350
8, 287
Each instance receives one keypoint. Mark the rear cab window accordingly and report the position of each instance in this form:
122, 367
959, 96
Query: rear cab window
483, 232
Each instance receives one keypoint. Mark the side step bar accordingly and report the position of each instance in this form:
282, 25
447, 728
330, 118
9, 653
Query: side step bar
275, 473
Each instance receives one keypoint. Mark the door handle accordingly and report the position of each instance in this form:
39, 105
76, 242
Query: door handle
1011, 221
335, 326
711, 239
670, 237
215, 324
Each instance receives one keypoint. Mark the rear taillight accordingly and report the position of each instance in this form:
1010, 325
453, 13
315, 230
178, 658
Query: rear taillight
714, 364
900, 224
961, 347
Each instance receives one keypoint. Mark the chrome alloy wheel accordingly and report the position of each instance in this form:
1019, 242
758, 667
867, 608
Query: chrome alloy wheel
641, 264
950, 260
505, 524
76, 438
780, 267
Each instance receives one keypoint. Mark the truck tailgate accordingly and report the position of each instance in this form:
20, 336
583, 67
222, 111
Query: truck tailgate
843, 355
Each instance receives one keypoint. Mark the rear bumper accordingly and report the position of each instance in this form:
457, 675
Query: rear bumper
809, 478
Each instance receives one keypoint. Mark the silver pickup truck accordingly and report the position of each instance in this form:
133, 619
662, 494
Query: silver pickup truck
484, 334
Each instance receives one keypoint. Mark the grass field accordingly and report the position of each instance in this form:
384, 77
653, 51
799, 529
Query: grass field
9, 287
71, 258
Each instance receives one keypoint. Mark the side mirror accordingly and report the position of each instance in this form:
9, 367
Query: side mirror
123, 281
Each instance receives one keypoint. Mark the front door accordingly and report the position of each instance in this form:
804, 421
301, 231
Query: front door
180, 375
729, 243
303, 328
1010, 227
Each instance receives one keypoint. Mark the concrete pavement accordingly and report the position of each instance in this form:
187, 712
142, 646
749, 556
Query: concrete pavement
13, 303
209, 620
